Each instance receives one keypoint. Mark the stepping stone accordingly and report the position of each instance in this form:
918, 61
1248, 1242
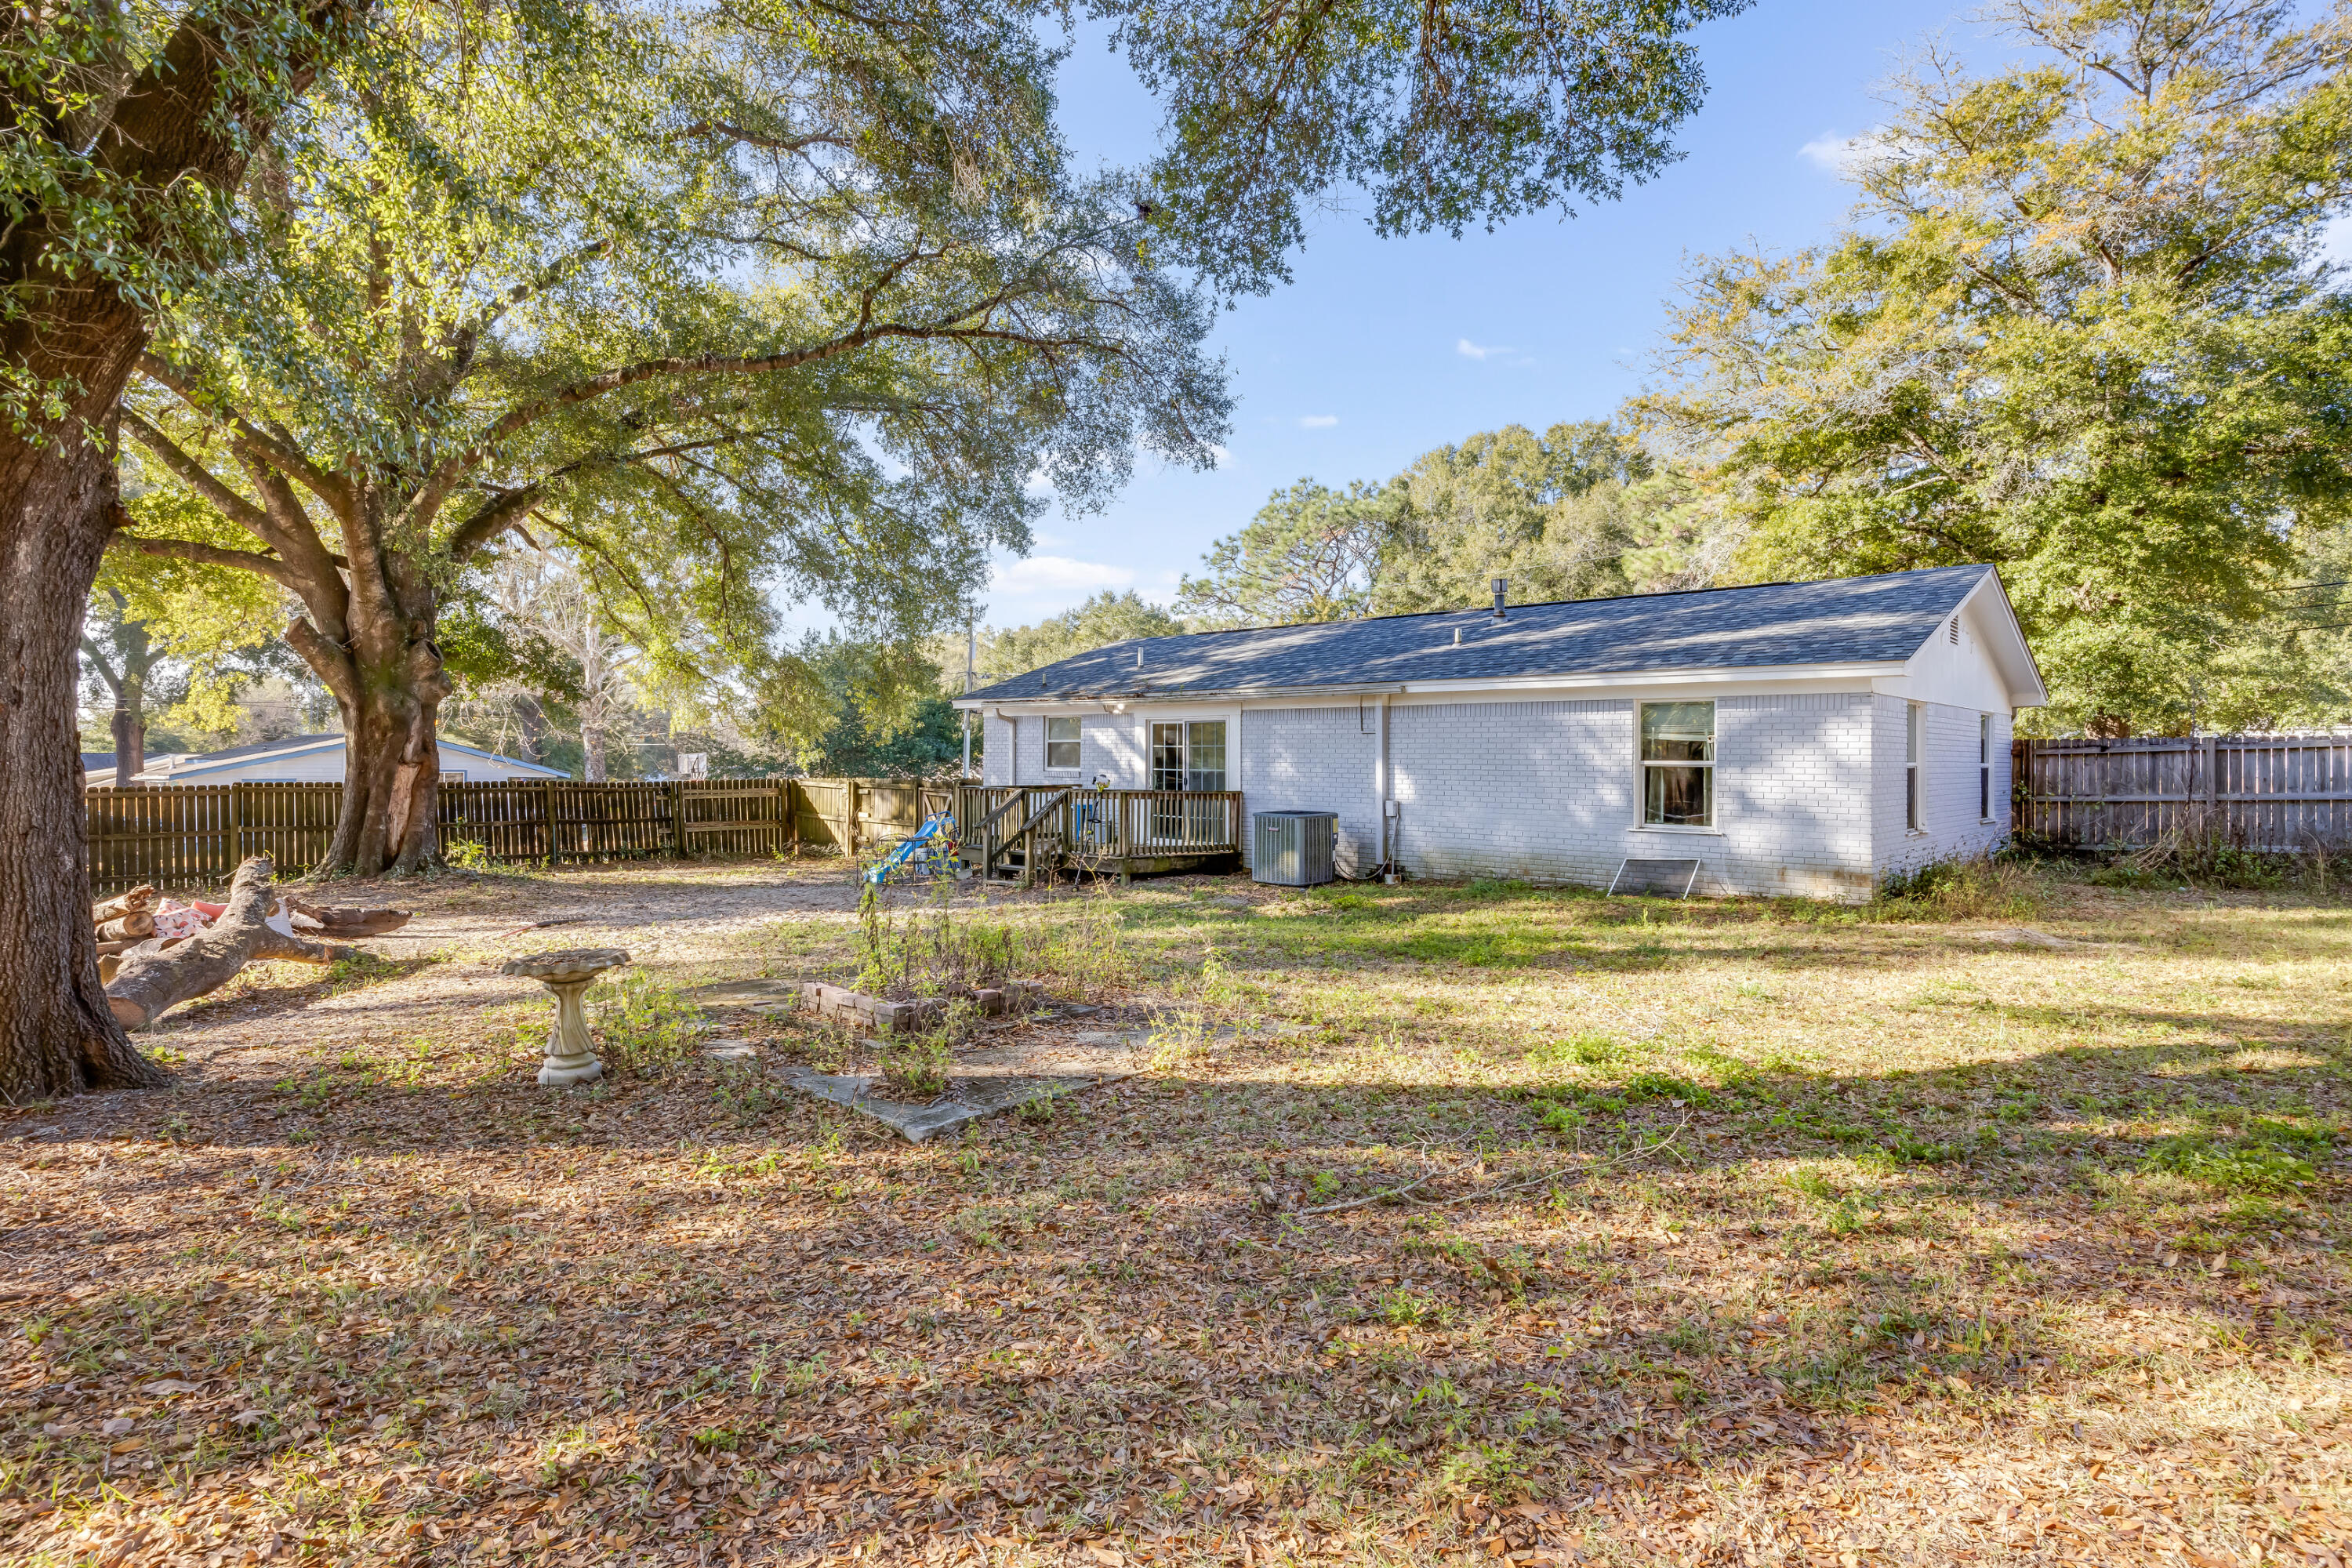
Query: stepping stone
731, 1050
749, 996
986, 1082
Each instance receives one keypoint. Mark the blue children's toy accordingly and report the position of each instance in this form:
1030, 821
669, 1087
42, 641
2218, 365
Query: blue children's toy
928, 851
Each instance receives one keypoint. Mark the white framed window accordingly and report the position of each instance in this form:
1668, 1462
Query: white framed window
1914, 809
1062, 743
1677, 764
1984, 767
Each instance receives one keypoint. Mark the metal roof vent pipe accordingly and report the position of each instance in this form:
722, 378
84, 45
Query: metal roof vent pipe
1502, 586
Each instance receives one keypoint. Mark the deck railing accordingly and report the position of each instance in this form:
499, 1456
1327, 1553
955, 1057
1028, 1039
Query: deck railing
1089, 824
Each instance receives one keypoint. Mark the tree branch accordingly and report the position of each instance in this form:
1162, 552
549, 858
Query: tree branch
196, 476
435, 490
268, 566
93, 652
492, 517
283, 456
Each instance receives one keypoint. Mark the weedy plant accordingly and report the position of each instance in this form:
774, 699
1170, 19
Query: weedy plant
919, 1064
1979, 887
464, 855
643, 1024
931, 952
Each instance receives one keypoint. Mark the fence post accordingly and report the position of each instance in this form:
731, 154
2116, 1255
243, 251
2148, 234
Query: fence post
678, 818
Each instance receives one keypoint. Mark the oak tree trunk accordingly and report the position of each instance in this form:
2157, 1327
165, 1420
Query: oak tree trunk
57, 1035
390, 686
129, 742
186, 122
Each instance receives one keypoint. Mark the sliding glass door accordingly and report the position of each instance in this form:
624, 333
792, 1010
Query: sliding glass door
1187, 755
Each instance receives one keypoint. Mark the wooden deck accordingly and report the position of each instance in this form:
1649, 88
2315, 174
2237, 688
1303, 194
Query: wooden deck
1020, 831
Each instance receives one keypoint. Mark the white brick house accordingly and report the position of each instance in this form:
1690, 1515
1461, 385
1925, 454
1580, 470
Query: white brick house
1812, 738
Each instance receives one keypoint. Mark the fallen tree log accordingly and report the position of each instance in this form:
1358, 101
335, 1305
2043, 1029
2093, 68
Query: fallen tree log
154, 977
128, 927
138, 900
346, 920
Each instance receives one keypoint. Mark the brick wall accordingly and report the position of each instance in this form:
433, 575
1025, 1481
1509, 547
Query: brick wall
1313, 759
1549, 791
1950, 826
1108, 744
997, 758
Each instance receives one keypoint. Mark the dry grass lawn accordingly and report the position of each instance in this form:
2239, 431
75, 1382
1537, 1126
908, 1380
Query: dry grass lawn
1744, 1233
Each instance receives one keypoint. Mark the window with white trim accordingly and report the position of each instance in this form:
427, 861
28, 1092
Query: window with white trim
1677, 764
1984, 767
1915, 810
1062, 743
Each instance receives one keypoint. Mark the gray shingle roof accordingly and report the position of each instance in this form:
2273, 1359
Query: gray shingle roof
263, 748
1839, 621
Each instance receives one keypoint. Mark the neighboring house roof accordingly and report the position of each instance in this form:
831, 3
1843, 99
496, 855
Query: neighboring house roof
1842, 621
92, 762
295, 745
447, 745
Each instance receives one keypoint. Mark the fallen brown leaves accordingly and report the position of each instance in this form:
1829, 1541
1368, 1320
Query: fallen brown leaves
355, 1292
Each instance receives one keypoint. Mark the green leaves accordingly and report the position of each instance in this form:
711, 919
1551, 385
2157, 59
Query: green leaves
1312, 553
1446, 115
2077, 329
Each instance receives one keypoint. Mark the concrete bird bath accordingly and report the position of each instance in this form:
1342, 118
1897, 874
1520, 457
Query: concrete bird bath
570, 1058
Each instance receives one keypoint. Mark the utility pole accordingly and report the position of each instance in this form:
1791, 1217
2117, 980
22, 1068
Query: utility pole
970, 657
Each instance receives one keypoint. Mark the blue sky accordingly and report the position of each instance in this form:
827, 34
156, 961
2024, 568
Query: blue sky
1380, 350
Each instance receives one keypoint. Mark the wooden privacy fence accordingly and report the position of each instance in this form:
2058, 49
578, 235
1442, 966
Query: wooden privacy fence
2264, 792
180, 835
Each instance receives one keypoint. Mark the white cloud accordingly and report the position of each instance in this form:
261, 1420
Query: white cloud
1317, 421
1848, 156
1056, 574
1469, 350
1219, 454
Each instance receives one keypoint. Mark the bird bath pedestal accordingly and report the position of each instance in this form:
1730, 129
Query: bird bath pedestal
570, 1058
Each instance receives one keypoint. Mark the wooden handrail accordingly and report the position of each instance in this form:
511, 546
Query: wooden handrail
985, 823
1020, 835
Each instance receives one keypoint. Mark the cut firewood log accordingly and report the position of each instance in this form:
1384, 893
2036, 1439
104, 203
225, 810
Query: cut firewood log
128, 928
154, 977
138, 900
346, 920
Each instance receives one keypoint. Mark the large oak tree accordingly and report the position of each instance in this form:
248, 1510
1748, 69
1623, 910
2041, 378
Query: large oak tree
873, 164
729, 302
120, 128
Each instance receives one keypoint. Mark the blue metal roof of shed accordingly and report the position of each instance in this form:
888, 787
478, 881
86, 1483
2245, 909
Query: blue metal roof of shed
1843, 620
